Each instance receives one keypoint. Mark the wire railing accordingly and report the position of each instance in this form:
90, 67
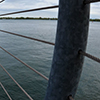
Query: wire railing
25, 64
89, 56
2, 1
43, 41
90, 1
80, 52
30, 10
39, 40
50, 43
5, 91
17, 83
70, 97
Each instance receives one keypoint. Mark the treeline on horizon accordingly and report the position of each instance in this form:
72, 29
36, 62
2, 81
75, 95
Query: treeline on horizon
38, 18
31, 18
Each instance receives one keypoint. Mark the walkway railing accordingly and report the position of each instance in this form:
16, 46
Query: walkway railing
43, 41
17, 83
30, 10
1, 1
5, 91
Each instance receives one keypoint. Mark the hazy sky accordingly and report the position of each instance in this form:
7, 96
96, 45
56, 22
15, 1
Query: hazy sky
17, 5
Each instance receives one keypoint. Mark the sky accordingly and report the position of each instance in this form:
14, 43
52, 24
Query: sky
17, 5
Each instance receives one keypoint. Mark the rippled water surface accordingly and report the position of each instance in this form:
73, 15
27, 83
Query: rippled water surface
39, 56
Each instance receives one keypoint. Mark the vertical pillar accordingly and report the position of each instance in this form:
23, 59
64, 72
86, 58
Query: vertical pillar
72, 33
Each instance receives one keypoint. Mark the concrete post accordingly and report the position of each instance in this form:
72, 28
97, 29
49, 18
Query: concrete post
72, 33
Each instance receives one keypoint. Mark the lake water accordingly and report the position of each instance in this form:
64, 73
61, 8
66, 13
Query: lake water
39, 56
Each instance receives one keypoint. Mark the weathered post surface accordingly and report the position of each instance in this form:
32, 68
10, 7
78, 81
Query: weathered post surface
72, 33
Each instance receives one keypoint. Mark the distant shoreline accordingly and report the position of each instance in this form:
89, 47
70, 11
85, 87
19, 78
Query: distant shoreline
29, 18
38, 18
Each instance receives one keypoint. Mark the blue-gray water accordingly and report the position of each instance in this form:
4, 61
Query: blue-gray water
39, 56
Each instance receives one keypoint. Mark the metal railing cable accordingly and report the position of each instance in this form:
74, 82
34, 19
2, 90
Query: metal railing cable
90, 1
30, 10
50, 43
25, 64
2, 1
70, 98
28, 37
5, 91
89, 56
17, 83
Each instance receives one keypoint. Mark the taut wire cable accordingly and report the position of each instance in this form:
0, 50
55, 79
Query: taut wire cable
5, 91
90, 1
50, 43
70, 98
1, 1
25, 64
37, 9
17, 83
89, 56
